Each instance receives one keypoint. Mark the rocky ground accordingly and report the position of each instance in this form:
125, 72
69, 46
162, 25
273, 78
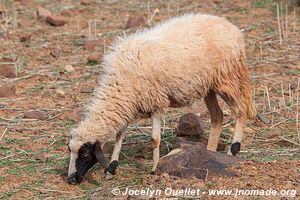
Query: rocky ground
50, 55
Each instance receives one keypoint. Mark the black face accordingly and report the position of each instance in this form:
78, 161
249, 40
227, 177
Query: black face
87, 156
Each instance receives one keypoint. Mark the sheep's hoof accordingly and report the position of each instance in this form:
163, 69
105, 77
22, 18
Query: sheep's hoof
235, 148
108, 176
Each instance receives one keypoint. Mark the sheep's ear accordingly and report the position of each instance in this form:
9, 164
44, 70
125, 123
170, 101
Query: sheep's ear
99, 155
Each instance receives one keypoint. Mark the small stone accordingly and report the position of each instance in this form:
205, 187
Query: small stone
69, 68
7, 89
7, 71
264, 119
60, 92
56, 20
190, 124
91, 44
85, 2
88, 89
135, 22
35, 115
42, 12
25, 38
96, 57
74, 116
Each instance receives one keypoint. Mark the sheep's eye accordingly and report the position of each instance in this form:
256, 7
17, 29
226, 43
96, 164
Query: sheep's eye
69, 149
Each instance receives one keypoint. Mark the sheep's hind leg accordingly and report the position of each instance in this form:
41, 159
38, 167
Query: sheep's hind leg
216, 116
240, 121
110, 171
155, 139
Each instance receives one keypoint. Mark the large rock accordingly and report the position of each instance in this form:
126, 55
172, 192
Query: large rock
7, 71
192, 159
35, 115
42, 12
135, 21
56, 20
190, 124
7, 89
91, 44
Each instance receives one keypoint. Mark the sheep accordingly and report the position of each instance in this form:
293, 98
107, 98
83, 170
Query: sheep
175, 64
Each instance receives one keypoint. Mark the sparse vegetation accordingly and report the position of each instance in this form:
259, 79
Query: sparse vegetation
33, 153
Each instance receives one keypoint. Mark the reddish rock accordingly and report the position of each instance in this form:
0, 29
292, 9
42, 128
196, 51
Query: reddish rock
8, 59
60, 92
88, 89
85, 2
96, 57
25, 38
190, 124
7, 71
263, 118
35, 115
192, 159
91, 44
7, 89
42, 12
23, 23
135, 22
74, 116
56, 20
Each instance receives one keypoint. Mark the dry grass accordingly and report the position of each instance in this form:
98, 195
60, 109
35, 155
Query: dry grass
33, 153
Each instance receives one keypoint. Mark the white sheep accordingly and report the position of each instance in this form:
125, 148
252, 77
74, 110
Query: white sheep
174, 64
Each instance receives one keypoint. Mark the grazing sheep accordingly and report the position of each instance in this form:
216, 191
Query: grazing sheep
174, 64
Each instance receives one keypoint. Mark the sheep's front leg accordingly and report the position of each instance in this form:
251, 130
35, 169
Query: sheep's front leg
110, 171
155, 139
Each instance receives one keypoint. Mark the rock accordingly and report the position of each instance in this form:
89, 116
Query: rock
263, 118
56, 20
23, 23
8, 59
85, 2
192, 159
135, 22
74, 116
60, 92
7, 71
69, 68
7, 89
25, 38
96, 57
35, 115
88, 89
91, 44
190, 124
42, 12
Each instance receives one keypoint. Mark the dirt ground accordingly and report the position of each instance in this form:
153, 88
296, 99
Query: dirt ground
33, 152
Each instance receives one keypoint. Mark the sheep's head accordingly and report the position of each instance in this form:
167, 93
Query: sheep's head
83, 157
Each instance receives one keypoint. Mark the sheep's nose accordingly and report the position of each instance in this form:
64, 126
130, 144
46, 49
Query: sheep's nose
72, 179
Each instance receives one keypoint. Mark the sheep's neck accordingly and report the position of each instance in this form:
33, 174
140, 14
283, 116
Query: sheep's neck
108, 114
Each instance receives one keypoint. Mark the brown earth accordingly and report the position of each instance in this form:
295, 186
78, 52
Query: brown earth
33, 152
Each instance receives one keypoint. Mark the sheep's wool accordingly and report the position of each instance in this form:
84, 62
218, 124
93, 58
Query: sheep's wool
173, 64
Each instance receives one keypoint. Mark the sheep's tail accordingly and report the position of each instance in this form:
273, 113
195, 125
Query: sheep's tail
250, 106
247, 95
